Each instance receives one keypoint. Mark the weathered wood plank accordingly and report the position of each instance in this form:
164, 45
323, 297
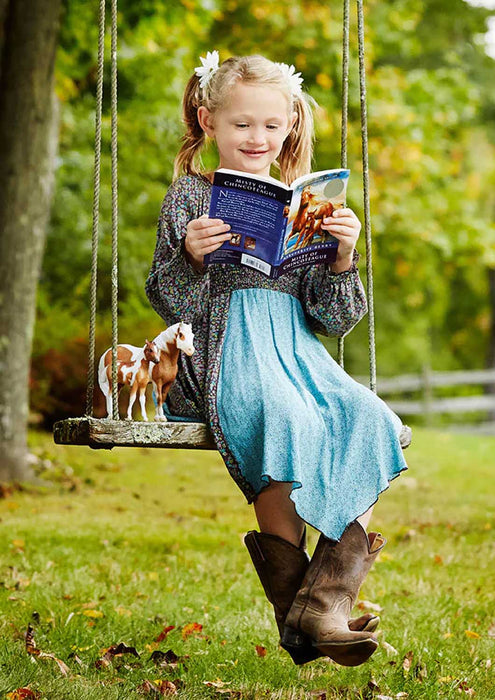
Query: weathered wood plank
101, 433
457, 404
415, 382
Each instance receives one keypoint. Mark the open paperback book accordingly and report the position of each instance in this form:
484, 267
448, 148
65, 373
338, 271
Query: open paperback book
276, 228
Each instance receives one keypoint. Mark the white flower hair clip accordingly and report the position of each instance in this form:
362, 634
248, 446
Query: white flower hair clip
209, 67
294, 79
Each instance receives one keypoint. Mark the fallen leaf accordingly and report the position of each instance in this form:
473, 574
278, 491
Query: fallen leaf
471, 635
191, 628
260, 651
93, 613
367, 606
464, 688
373, 686
438, 559
447, 635
392, 651
165, 658
111, 652
123, 611
18, 543
406, 664
216, 684
163, 634
23, 694
446, 679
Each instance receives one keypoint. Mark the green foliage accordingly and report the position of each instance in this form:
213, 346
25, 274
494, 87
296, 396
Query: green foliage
431, 117
146, 539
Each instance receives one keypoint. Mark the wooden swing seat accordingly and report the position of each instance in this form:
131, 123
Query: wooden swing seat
103, 434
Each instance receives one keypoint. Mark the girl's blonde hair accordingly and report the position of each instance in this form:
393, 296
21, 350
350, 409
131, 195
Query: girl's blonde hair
297, 151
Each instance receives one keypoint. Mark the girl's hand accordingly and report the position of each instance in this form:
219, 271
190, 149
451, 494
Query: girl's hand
345, 226
203, 236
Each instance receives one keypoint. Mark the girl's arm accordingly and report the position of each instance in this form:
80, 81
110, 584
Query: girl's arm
174, 287
332, 295
333, 302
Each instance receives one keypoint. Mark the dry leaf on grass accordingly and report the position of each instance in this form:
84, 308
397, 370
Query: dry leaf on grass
367, 606
32, 650
163, 634
406, 664
23, 694
191, 628
260, 651
471, 634
157, 688
391, 651
116, 650
464, 688
167, 659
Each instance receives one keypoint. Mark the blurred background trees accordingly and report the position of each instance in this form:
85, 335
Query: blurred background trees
432, 145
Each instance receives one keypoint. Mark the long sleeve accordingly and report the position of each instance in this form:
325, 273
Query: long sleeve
175, 289
333, 302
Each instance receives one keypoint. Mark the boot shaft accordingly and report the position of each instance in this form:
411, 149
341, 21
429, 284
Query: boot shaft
335, 575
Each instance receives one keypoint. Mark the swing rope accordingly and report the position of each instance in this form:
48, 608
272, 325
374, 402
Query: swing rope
366, 198
96, 213
115, 216
345, 119
114, 175
366, 188
96, 210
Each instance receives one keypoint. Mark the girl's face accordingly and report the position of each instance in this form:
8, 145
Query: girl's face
250, 129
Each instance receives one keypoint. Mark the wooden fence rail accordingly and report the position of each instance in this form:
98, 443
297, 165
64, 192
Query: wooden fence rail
427, 404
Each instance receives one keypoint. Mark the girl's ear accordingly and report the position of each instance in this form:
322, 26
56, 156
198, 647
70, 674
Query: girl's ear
292, 121
205, 119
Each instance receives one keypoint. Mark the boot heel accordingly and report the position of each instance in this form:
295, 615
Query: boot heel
299, 646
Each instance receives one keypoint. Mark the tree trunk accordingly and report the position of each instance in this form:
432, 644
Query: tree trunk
28, 141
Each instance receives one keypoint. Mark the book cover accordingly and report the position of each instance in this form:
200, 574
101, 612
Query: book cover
275, 228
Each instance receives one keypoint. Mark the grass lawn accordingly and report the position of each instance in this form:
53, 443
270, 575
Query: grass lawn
121, 545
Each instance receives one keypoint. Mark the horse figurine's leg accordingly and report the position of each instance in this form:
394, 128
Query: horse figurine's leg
132, 399
159, 415
142, 402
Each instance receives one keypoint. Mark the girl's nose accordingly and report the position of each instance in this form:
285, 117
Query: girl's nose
256, 136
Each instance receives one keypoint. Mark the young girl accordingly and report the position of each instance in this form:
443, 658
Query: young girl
304, 442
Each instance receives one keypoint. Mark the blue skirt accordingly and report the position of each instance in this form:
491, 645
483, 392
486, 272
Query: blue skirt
290, 413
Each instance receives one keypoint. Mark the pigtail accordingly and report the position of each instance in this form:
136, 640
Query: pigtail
188, 159
297, 152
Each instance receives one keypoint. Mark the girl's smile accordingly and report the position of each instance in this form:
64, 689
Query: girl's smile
250, 129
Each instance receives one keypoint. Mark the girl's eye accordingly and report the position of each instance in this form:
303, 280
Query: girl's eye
272, 126
242, 126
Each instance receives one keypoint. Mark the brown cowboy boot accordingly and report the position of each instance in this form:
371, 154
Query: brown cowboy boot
328, 592
281, 567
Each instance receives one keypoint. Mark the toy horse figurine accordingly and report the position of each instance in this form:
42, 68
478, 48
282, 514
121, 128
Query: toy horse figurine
156, 362
169, 343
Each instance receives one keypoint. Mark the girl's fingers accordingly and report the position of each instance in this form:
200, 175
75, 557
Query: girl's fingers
211, 231
204, 222
211, 248
346, 230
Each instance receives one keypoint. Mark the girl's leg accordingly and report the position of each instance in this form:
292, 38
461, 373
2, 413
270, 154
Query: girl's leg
365, 518
276, 514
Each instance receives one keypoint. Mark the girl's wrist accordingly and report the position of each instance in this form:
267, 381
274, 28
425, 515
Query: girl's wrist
342, 262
